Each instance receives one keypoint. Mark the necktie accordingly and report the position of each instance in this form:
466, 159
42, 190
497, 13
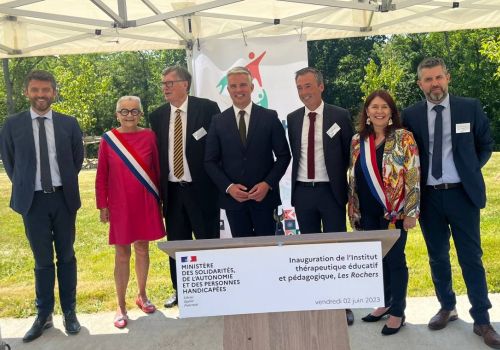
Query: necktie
178, 148
310, 146
45, 176
437, 151
242, 126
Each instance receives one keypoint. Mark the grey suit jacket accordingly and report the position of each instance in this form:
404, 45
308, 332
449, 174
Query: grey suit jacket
19, 158
471, 150
336, 148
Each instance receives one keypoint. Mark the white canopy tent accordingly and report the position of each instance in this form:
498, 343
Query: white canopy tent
51, 27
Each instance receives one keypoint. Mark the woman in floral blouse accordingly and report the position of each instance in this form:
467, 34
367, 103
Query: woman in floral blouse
384, 192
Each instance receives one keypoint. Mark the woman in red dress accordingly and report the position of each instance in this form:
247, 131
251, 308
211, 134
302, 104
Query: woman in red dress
127, 183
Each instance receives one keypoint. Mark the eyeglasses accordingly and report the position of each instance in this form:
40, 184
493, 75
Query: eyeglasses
170, 83
124, 112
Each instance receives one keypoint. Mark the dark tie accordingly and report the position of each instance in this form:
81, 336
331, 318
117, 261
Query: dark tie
310, 146
437, 151
45, 176
242, 126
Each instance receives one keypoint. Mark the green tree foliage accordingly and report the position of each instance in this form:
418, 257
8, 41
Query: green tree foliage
471, 74
139, 73
84, 89
89, 85
490, 48
342, 64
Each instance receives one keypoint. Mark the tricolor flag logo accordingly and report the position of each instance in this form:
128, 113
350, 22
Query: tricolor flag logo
186, 259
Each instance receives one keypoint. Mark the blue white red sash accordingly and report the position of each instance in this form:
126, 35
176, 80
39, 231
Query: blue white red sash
368, 162
132, 160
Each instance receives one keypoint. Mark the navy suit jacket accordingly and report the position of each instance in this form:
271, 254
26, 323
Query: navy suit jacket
19, 158
471, 150
228, 161
200, 113
336, 148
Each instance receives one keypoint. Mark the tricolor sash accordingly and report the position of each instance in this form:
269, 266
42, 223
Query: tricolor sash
132, 160
368, 162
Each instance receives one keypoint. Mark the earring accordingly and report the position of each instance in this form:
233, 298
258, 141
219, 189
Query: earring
390, 121
368, 121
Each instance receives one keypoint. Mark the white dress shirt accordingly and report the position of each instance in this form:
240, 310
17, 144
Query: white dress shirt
248, 110
450, 173
320, 174
51, 146
187, 174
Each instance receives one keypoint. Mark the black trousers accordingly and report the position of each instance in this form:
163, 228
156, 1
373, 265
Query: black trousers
317, 210
446, 213
393, 264
251, 221
50, 226
186, 216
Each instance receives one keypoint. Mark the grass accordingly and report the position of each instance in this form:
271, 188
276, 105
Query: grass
96, 258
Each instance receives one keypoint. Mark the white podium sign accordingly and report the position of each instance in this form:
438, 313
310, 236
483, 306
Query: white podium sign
279, 278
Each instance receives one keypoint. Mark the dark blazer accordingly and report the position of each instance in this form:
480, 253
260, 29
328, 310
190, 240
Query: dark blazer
336, 148
227, 161
200, 113
19, 158
470, 150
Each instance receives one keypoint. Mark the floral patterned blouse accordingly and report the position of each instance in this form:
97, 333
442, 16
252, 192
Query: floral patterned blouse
400, 175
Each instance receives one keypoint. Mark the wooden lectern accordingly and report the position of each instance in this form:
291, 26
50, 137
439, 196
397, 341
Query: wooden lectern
299, 330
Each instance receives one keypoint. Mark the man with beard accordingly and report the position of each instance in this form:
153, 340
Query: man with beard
42, 152
453, 137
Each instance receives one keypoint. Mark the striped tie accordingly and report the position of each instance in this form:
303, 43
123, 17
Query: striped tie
178, 158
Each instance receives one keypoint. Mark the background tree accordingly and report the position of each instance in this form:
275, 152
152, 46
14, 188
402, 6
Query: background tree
89, 85
342, 64
471, 74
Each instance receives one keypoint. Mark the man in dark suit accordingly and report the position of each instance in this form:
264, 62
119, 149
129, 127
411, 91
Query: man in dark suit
42, 152
240, 158
454, 139
190, 199
320, 137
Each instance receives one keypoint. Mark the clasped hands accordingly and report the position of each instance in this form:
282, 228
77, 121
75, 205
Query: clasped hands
241, 194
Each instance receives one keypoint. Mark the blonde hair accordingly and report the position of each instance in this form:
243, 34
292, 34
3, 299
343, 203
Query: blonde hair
240, 70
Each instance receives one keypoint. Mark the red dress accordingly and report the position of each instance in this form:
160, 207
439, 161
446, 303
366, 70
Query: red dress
134, 213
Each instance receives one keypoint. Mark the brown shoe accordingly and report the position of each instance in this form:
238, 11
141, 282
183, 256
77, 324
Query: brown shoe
490, 336
441, 319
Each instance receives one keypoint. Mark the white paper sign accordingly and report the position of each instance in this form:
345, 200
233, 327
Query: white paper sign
280, 278
463, 128
199, 133
334, 129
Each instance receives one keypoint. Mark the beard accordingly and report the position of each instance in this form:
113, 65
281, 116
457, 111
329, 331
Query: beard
41, 105
437, 95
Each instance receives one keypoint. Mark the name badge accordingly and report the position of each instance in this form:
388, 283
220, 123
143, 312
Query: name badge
334, 129
200, 133
462, 128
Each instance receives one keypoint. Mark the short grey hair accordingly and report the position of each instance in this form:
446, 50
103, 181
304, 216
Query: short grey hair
317, 74
240, 70
128, 98
431, 62
181, 72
